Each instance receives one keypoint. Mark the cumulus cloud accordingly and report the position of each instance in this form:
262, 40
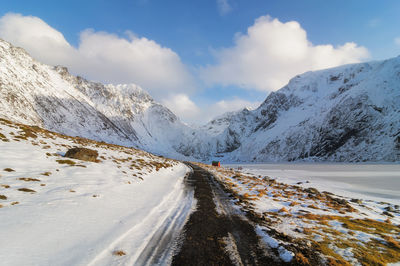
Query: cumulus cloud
189, 112
182, 106
271, 52
101, 56
38, 38
218, 108
224, 106
224, 7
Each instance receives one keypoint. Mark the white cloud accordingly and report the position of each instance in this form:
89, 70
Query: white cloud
397, 41
224, 106
38, 38
189, 112
218, 108
223, 7
271, 53
183, 107
101, 56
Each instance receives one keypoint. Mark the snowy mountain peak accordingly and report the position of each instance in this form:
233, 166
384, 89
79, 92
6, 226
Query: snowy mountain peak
347, 113
50, 97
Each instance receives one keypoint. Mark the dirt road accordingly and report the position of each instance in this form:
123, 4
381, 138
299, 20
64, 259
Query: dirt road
217, 233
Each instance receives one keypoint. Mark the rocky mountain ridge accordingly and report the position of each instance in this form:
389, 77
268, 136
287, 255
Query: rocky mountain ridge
349, 113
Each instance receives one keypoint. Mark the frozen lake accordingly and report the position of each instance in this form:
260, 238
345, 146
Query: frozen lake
368, 181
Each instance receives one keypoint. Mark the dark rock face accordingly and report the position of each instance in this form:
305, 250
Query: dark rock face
270, 108
346, 121
83, 154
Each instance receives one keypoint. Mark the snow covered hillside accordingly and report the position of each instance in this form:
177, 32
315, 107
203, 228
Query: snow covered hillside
61, 211
349, 113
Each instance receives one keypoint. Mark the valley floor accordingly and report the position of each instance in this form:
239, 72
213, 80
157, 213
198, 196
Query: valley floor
133, 208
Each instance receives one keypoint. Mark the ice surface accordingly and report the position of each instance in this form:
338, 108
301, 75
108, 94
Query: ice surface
379, 182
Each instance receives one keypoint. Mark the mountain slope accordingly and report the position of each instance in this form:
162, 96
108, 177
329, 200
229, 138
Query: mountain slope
348, 113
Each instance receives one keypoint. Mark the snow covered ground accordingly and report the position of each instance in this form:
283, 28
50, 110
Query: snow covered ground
61, 211
319, 226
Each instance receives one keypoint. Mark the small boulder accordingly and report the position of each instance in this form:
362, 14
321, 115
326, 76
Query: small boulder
388, 214
358, 201
83, 154
312, 190
389, 209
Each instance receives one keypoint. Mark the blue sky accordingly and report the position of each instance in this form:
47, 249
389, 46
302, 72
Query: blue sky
200, 39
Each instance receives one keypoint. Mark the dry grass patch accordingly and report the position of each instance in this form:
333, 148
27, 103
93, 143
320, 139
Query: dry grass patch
69, 162
4, 138
5, 186
8, 170
28, 179
46, 173
14, 202
27, 190
301, 260
392, 242
119, 253
3, 197
293, 203
368, 226
284, 210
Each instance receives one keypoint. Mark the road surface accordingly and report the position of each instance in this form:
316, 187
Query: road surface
216, 233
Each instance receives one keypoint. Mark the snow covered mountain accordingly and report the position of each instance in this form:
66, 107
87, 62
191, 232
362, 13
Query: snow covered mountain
50, 97
348, 113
